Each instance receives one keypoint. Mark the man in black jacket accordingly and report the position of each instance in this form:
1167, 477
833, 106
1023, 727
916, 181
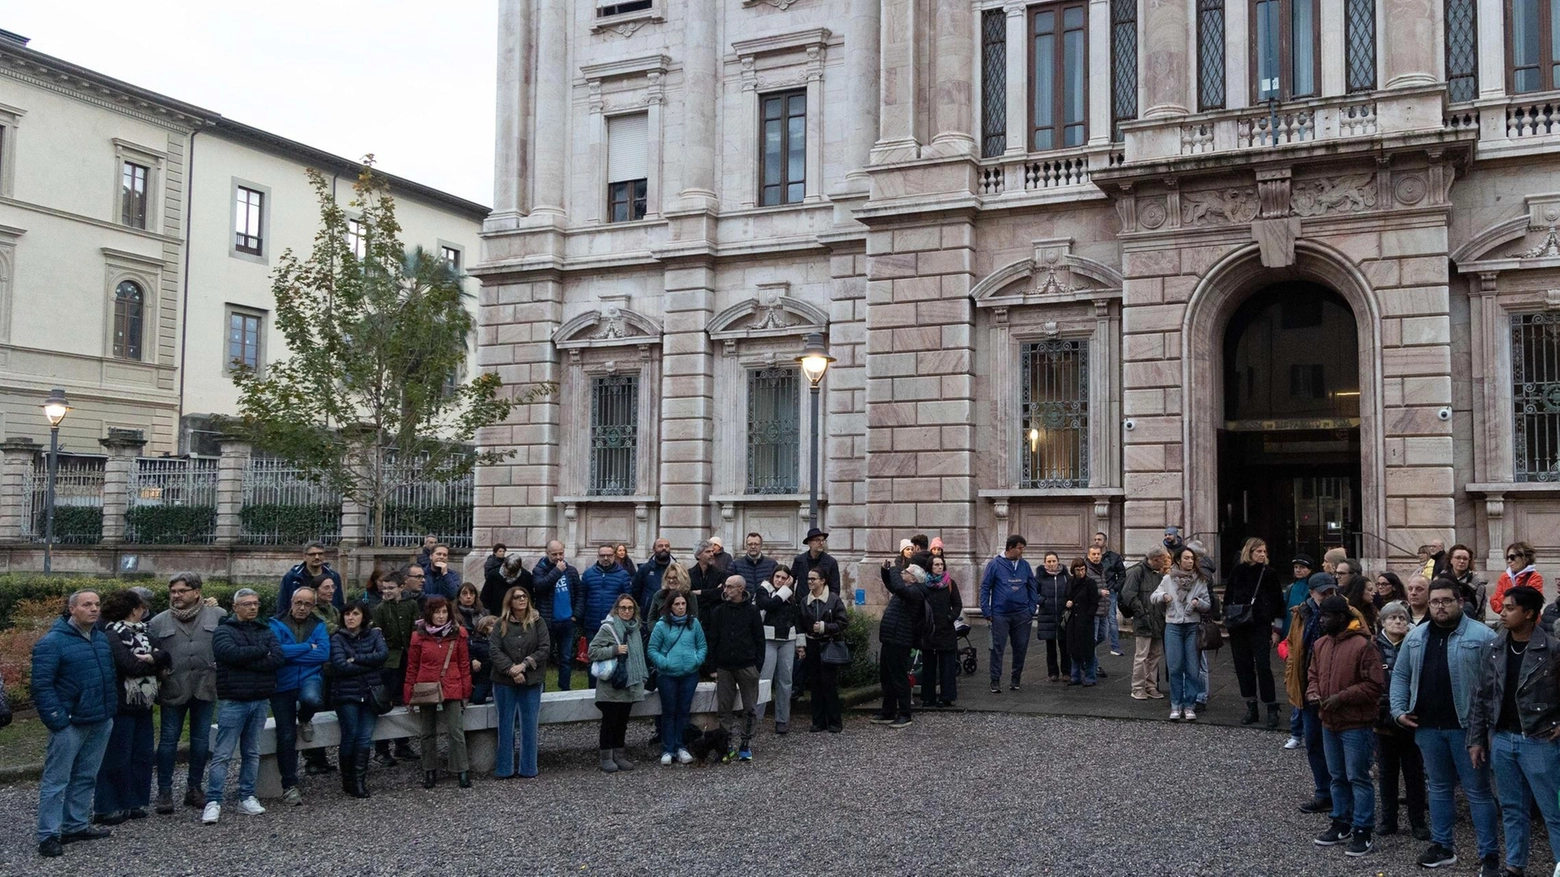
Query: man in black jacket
753, 566
1115, 574
815, 557
248, 656
556, 585
735, 635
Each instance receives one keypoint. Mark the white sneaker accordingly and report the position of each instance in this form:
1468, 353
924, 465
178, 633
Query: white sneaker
211, 814
251, 806
684, 756
666, 759
1293, 743
1175, 715
1191, 715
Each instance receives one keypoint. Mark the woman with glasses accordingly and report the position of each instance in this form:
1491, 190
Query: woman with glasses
1519, 571
1389, 589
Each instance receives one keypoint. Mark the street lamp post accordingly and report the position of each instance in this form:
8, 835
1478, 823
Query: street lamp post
815, 361
55, 408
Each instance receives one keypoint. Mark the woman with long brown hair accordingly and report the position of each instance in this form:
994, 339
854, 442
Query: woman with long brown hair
518, 648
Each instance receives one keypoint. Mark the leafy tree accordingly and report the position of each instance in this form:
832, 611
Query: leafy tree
378, 338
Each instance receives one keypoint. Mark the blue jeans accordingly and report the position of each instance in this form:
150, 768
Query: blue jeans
1348, 759
1315, 750
239, 725
1010, 628
1107, 628
561, 633
1181, 659
1447, 764
676, 700
199, 713
1087, 674
523, 704
70, 769
1522, 764
481, 692
124, 780
357, 722
291, 707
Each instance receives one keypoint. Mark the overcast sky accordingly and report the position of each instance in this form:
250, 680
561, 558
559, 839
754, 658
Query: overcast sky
409, 80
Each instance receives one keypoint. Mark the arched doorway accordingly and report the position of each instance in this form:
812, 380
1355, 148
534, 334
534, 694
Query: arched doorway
1289, 437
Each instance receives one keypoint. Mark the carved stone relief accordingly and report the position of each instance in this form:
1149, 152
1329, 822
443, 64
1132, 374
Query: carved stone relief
1219, 206
1349, 193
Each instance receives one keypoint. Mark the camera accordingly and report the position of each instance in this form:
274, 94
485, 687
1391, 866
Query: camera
1444, 412
1129, 425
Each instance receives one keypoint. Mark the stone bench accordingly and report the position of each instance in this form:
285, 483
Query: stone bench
481, 723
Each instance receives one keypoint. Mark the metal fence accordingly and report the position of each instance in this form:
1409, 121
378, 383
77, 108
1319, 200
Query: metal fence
415, 506
281, 506
78, 501
173, 501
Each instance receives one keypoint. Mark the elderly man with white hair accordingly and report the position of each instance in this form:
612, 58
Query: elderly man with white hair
898, 633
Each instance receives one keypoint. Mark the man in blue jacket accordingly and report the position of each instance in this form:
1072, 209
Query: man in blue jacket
443, 580
555, 583
753, 566
1438, 669
299, 687
599, 589
647, 580
302, 575
1008, 596
76, 691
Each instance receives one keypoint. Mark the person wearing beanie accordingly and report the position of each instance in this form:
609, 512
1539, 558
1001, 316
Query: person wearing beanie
1172, 541
899, 633
1301, 567
936, 549
1395, 743
1305, 628
1345, 683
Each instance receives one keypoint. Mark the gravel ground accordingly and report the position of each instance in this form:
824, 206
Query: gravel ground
972, 793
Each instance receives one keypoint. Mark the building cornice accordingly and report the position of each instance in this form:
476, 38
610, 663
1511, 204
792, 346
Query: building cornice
89, 86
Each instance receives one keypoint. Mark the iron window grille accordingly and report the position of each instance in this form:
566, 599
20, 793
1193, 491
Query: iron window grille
1054, 414
1210, 55
614, 435
1360, 44
1535, 392
1462, 50
1124, 65
774, 431
993, 83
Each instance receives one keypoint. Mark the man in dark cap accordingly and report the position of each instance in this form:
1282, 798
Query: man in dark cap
1305, 628
1173, 543
815, 557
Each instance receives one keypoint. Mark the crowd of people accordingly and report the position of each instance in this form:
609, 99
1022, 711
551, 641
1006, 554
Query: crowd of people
1396, 674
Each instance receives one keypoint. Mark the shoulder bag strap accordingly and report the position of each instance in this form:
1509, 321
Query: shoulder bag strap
447, 655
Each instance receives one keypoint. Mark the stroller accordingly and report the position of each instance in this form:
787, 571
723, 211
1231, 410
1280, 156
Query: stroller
966, 649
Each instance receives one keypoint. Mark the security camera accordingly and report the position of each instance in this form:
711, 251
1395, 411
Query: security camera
1129, 425
1444, 412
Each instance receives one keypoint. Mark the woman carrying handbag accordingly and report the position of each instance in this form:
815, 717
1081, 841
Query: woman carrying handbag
823, 620
618, 642
438, 682
357, 656
1252, 599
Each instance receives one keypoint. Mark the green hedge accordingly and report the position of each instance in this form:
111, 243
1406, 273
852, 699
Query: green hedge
858, 635
74, 524
171, 524
291, 524
16, 587
451, 522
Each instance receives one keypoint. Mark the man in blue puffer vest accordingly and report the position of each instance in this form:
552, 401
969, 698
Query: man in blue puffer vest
300, 687
76, 691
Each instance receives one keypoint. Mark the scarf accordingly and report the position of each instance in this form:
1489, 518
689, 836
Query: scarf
187, 615
140, 691
935, 580
679, 619
441, 631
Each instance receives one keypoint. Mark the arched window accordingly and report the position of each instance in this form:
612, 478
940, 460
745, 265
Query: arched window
129, 307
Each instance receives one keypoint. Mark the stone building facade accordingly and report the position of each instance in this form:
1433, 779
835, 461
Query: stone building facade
1250, 268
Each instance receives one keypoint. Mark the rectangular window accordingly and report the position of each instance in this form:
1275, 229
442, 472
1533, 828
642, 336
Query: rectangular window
1124, 65
1054, 414
1285, 52
1210, 55
1462, 50
628, 162
1307, 381
1058, 64
1535, 391
1359, 19
614, 435
451, 257
243, 339
609, 9
1533, 44
132, 196
993, 83
774, 431
783, 148
356, 242
248, 210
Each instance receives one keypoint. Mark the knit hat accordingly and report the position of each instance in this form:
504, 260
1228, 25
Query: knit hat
1321, 580
905, 543
719, 545
937, 542
1303, 560
1172, 531
1336, 604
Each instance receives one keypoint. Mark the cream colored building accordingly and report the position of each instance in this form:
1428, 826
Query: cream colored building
1284, 268
123, 276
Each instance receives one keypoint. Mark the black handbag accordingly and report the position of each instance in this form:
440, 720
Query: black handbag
378, 700
835, 652
1237, 615
1209, 637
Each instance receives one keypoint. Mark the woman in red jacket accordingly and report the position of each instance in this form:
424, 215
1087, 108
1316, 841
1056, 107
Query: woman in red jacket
439, 654
1519, 571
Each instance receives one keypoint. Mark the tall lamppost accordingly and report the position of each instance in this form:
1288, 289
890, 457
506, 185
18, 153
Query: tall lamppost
55, 408
815, 361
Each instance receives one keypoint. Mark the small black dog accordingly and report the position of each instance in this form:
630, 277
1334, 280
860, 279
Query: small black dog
712, 742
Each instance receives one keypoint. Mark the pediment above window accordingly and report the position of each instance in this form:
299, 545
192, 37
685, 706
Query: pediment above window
614, 325
771, 314
1526, 242
1052, 275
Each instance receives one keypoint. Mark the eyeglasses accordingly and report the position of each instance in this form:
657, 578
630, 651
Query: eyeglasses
1444, 602
176, 592
246, 604
1513, 557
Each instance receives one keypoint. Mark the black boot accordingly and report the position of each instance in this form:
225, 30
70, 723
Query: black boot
403, 751
360, 774
348, 759
429, 778
1272, 716
382, 753
1251, 713
465, 779
1417, 827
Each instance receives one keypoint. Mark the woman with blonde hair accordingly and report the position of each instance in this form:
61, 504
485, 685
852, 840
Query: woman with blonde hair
1253, 599
518, 648
674, 581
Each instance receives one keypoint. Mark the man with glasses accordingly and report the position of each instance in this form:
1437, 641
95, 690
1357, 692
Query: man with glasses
300, 685
302, 575
189, 690
247, 657
1433, 683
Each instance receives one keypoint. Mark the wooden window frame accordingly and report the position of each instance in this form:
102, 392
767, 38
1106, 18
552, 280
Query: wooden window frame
1547, 54
1286, 44
125, 344
242, 233
631, 195
1059, 74
786, 182
128, 216
259, 349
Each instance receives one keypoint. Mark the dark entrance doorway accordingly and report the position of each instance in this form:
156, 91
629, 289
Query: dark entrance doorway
1289, 446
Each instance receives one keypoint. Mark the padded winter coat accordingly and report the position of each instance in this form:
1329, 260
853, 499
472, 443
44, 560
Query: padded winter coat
601, 589
678, 648
350, 679
305, 660
248, 656
425, 662
1053, 602
73, 678
905, 615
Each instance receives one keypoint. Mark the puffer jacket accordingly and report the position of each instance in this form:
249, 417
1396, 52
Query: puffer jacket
1346, 665
781, 613
511, 644
1538, 688
545, 582
943, 605
425, 662
600, 589
1053, 602
1388, 651
603, 647
1148, 617
678, 646
248, 657
1297, 669
306, 658
355, 663
735, 635
73, 678
754, 572
904, 618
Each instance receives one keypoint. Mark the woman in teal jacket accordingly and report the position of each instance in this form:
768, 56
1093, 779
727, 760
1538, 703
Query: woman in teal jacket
677, 651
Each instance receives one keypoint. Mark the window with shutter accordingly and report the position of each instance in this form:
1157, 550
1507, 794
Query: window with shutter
628, 162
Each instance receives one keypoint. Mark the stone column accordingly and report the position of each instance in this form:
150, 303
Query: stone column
1017, 77
1165, 58
17, 457
861, 71
511, 145
232, 466
701, 88
953, 104
898, 128
1413, 41
687, 403
123, 446
548, 157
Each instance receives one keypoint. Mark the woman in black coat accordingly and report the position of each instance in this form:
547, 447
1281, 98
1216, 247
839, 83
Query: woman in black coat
822, 617
899, 632
124, 781
1053, 586
1253, 599
940, 646
1083, 602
